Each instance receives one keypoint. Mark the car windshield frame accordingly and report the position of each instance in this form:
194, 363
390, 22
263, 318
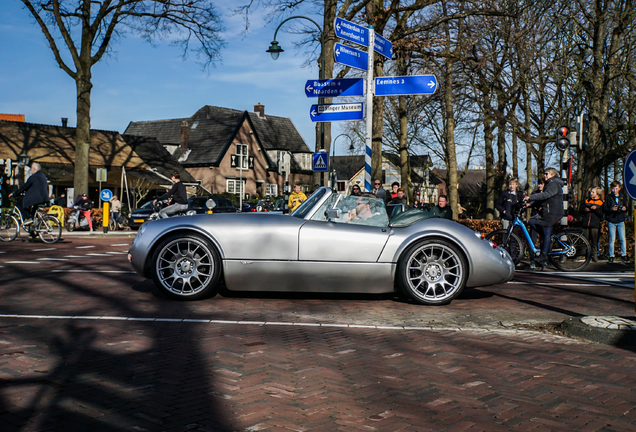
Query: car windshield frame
308, 205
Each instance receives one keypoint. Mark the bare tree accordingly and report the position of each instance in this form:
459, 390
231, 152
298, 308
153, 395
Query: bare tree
87, 29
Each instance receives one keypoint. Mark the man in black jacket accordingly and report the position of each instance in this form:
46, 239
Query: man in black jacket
35, 192
442, 209
615, 208
509, 202
178, 194
551, 202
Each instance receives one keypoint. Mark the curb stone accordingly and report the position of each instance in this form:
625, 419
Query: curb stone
609, 330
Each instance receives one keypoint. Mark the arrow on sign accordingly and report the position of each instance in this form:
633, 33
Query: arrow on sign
633, 168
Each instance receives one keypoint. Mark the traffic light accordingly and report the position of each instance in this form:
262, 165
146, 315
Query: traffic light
563, 138
584, 127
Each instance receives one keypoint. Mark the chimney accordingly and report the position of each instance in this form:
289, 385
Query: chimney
64, 122
185, 137
260, 110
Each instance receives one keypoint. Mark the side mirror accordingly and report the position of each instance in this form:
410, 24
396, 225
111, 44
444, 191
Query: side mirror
333, 214
210, 204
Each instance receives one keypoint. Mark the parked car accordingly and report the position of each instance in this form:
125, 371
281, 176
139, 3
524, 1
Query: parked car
223, 205
331, 243
248, 207
140, 216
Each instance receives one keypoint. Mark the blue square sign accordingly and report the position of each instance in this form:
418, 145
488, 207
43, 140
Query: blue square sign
321, 162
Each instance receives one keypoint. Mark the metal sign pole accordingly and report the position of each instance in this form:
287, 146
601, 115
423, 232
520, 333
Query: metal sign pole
369, 119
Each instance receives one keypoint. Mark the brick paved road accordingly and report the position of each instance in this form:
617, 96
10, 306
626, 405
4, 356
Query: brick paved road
158, 365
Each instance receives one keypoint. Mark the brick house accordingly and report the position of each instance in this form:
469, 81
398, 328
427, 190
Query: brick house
234, 151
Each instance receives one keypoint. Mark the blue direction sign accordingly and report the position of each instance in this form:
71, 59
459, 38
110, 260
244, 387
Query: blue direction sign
405, 85
382, 46
337, 112
352, 32
335, 87
321, 162
629, 174
106, 195
351, 57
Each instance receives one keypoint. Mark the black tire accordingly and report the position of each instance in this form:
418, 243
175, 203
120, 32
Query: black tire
511, 243
577, 258
70, 226
9, 228
49, 229
432, 272
186, 267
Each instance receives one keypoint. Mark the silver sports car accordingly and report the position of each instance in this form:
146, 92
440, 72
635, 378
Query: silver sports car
331, 243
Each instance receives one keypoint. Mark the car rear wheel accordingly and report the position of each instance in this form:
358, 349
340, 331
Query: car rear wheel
186, 267
433, 272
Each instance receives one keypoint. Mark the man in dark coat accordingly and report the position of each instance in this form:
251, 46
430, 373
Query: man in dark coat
442, 209
35, 192
551, 203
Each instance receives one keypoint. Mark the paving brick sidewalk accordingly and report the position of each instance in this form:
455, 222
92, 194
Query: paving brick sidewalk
136, 376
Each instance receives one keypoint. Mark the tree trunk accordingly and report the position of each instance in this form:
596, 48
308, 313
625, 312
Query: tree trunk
82, 132
515, 159
451, 154
490, 166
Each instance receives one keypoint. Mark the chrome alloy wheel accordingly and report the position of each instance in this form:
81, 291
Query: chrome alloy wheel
434, 273
185, 267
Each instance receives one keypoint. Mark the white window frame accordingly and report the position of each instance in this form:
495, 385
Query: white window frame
241, 151
231, 186
271, 189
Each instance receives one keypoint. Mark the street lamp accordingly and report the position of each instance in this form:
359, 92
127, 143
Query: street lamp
275, 51
334, 174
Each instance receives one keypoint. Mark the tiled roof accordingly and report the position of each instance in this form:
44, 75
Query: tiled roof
54, 146
212, 130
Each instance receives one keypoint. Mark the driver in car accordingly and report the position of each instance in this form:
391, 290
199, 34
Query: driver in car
364, 214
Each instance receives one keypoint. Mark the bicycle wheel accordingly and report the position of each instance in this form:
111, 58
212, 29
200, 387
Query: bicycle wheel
48, 228
112, 224
569, 251
512, 243
9, 228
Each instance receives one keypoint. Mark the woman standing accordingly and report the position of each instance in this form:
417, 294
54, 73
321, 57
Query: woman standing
592, 213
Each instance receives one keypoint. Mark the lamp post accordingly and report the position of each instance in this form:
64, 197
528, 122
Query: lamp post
23, 162
275, 51
334, 174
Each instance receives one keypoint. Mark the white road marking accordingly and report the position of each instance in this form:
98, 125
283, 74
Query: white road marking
21, 262
52, 259
117, 253
554, 284
84, 247
96, 254
3, 251
74, 256
40, 250
122, 244
93, 271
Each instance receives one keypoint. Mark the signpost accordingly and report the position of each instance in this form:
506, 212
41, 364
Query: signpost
351, 57
105, 195
337, 112
351, 32
335, 87
382, 46
405, 85
321, 162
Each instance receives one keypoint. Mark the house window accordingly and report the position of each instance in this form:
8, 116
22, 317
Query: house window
235, 186
341, 186
271, 189
241, 150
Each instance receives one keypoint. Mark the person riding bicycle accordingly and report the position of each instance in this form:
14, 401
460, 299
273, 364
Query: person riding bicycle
35, 193
551, 201
178, 194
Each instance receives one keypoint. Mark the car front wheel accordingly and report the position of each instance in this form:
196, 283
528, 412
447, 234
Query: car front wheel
433, 272
186, 267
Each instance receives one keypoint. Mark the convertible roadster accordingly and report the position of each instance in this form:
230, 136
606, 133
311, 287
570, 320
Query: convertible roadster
331, 243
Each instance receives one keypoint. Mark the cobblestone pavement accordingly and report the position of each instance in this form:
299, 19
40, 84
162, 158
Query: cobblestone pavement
87, 345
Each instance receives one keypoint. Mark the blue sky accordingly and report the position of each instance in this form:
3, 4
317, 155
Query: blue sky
141, 82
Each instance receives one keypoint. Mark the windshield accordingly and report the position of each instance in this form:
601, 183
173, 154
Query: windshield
411, 216
357, 210
309, 203
198, 202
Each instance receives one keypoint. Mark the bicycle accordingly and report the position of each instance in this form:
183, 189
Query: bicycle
569, 250
46, 226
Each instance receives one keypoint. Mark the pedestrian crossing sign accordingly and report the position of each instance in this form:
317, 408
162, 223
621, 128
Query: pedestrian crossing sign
321, 162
